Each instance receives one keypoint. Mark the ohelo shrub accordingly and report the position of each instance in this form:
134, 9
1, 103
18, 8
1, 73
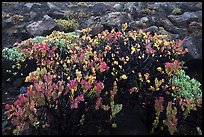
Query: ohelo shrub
77, 83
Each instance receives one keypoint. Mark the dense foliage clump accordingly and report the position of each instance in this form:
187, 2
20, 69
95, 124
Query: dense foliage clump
80, 77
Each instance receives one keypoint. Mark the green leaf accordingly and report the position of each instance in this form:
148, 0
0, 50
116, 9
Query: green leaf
115, 109
114, 125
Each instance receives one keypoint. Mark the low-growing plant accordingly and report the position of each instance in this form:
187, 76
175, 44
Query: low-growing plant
77, 16
176, 11
68, 25
8, 3
5, 15
79, 81
72, 5
12, 54
18, 17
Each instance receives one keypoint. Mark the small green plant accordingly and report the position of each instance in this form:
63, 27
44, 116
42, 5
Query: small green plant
114, 125
68, 25
8, 3
176, 11
5, 15
147, 11
188, 88
18, 17
12, 54
83, 4
199, 130
72, 6
78, 16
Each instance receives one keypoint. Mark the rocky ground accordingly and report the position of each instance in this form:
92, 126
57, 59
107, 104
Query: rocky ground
180, 20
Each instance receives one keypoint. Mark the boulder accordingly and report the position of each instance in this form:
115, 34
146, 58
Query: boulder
56, 14
42, 27
134, 25
39, 10
194, 48
152, 29
115, 19
198, 6
52, 6
166, 24
129, 7
190, 6
134, 8
99, 9
29, 6
96, 30
195, 28
163, 6
144, 19
90, 21
118, 7
186, 18
162, 31
10, 21
33, 15
142, 23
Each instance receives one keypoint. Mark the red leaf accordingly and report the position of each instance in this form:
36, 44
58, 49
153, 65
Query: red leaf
54, 48
80, 98
171, 124
8, 107
103, 66
73, 84
21, 98
98, 103
99, 87
16, 102
48, 78
83, 82
87, 86
74, 104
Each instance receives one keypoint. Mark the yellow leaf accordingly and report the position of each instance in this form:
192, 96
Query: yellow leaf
115, 62
43, 53
159, 69
120, 66
151, 88
127, 58
27, 79
9, 116
133, 71
124, 76
132, 50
